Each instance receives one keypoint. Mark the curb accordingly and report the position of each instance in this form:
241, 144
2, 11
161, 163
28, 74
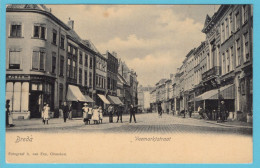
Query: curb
225, 125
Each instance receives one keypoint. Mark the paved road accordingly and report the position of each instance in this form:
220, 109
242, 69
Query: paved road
146, 123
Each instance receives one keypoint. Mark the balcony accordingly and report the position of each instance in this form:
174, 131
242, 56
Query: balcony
213, 72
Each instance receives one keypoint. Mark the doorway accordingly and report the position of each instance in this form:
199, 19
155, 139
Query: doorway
35, 104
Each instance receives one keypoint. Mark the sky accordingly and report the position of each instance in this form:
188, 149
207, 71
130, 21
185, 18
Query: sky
152, 39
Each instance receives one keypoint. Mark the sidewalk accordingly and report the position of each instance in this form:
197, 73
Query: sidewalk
235, 123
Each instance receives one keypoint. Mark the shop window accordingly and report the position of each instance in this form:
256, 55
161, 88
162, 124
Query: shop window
14, 60
16, 30
39, 32
36, 87
38, 59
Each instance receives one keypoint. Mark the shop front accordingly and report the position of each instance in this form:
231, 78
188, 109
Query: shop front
27, 95
76, 99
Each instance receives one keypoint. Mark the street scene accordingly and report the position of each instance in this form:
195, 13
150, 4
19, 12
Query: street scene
131, 69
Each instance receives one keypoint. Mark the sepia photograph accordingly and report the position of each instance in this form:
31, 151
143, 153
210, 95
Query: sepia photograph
96, 83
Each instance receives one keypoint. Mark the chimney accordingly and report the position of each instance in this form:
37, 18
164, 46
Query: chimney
71, 24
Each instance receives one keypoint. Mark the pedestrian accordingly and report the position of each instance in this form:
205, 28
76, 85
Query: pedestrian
65, 110
95, 116
190, 111
223, 111
132, 113
110, 113
85, 110
100, 114
9, 116
70, 112
7, 112
200, 111
159, 110
45, 114
119, 114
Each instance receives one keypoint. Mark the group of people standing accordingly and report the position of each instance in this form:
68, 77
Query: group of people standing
95, 114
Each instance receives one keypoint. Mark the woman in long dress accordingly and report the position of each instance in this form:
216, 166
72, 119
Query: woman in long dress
95, 116
45, 115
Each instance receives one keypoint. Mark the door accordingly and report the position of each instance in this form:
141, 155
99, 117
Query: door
34, 105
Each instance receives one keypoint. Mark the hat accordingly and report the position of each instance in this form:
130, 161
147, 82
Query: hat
100, 107
85, 104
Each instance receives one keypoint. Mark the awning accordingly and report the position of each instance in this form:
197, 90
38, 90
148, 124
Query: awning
103, 98
226, 92
115, 100
89, 99
74, 94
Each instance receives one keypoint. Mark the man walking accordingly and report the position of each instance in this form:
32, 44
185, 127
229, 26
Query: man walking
223, 111
132, 113
119, 113
65, 110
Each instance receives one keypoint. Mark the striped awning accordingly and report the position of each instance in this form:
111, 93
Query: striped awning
115, 100
74, 94
103, 98
226, 92
89, 99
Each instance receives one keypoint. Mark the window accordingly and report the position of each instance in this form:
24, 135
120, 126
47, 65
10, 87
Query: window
53, 68
69, 68
108, 83
61, 65
238, 53
91, 62
39, 32
69, 48
246, 47
74, 70
227, 28
80, 75
86, 78
96, 80
227, 62
38, 60
90, 79
245, 13
14, 60
62, 44
74, 51
223, 64
222, 32
54, 37
80, 57
86, 60
237, 23
16, 30
232, 58
230, 23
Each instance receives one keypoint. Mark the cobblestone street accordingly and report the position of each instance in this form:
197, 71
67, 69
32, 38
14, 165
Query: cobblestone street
146, 123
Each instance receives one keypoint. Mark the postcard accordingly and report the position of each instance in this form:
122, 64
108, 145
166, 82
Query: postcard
150, 83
